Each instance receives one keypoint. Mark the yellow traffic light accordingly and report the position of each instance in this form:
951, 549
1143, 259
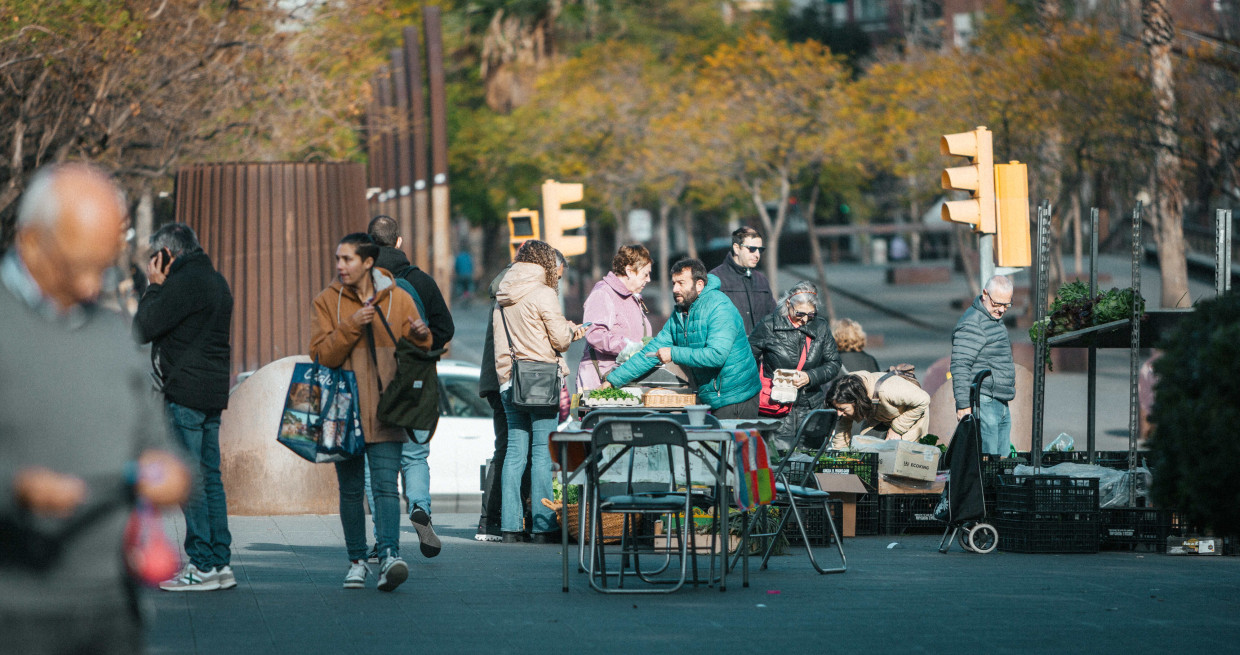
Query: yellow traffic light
558, 220
522, 226
978, 179
1012, 205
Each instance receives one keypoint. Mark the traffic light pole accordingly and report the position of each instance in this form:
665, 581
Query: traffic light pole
986, 257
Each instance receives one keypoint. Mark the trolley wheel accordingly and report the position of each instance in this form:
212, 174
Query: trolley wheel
983, 537
965, 530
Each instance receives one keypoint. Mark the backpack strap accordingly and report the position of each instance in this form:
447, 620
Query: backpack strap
879, 383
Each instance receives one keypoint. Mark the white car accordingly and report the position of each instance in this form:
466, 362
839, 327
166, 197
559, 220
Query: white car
465, 438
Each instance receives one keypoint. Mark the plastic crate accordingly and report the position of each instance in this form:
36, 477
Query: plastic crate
1049, 532
1114, 459
995, 467
814, 519
867, 515
908, 514
1140, 528
862, 465
1046, 493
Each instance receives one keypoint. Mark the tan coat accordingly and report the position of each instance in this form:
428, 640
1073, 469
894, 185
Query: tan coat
339, 342
539, 331
900, 403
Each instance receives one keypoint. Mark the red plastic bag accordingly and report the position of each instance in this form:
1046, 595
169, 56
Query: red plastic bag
149, 555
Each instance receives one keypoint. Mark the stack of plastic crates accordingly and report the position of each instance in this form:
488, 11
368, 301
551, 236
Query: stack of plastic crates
1140, 528
815, 521
1112, 459
993, 468
908, 514
865, 467
1048, 514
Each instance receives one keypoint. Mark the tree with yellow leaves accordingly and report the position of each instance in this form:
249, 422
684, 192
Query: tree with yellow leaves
767, 112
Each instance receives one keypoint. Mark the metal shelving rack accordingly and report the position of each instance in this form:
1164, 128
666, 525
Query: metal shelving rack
1142, 331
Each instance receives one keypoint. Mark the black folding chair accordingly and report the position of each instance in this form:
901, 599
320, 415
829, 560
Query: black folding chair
673, 504
796, 486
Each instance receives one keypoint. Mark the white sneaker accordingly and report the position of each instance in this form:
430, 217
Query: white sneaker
226, 577
394, 572
482, 536
191, 578
356, 577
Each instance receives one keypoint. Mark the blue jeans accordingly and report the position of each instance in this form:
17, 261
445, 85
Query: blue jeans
383, 462
996, 422
417, 475
528, 433
208, 543
417, 479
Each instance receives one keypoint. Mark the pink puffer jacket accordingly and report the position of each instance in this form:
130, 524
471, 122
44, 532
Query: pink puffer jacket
617, 315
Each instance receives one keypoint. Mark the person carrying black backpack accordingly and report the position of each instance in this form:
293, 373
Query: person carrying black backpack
434, 310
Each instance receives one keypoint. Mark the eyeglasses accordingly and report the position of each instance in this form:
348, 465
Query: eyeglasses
806, 315
1004, 305
755, 248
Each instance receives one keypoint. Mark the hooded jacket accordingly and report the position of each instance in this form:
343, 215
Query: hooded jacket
532, 311
337, 341
438, 318
709, 342
189, 319
748, 289
776, 343
980, 341
902, 404
619, 317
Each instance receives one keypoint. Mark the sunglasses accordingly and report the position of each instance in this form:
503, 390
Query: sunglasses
809, 315
755, 248
1005, 305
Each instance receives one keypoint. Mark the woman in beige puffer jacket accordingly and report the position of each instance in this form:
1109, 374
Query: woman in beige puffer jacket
529, 314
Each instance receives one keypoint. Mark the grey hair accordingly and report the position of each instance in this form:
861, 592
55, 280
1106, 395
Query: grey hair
178, 238
804, 291
41, 205
560, 259
999, 283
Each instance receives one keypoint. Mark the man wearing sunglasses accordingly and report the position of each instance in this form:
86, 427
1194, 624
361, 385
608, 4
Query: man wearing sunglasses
979, 342
742, 282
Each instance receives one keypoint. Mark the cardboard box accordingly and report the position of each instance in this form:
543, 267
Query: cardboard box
892, 484
1194, 545
910, 460
662, 541
847, 488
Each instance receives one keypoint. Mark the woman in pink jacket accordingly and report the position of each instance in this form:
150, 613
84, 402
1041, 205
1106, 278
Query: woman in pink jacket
618, 315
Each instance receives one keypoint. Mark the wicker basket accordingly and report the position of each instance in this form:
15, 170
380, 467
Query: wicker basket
612, 523
669, 399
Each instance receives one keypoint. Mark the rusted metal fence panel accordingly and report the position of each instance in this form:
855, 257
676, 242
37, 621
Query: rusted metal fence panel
271, 230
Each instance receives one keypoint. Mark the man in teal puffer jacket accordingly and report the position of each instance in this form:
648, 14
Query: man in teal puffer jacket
706, 336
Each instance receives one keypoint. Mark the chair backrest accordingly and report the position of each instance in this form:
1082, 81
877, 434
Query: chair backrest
637, 433
683, 418
816, 429
812, 439
596, 415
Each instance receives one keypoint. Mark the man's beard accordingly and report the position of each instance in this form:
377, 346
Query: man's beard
687, 301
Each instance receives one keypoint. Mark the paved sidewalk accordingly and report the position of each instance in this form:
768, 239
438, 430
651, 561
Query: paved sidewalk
495, 598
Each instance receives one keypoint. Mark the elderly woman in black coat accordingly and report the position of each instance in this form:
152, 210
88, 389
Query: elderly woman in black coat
795, 337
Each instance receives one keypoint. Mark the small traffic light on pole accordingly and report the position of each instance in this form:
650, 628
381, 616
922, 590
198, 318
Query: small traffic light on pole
978, 179
557, 220
1012, 246
522, 226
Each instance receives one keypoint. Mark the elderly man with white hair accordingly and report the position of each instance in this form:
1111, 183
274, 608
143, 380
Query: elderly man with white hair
81, 433
979, 342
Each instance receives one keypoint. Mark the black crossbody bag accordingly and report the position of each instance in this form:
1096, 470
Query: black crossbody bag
535, 385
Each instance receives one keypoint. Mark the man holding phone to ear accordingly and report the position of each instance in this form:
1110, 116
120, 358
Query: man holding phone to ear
186, 314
